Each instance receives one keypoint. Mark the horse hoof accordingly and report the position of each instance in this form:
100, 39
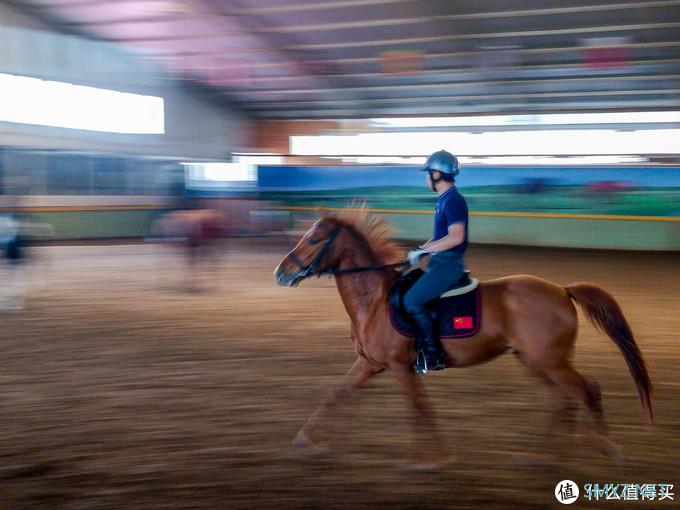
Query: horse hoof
611, 450
305, 445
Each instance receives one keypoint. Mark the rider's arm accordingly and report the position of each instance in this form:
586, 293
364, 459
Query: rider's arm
455, 237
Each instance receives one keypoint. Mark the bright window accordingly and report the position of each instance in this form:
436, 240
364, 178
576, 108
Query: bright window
564, 119
25, 100
495, 143
220, 175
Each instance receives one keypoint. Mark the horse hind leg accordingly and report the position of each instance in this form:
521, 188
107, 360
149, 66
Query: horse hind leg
587, 390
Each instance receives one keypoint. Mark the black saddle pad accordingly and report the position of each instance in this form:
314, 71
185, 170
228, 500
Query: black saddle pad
455, 316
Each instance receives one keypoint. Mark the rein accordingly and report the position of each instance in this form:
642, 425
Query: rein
366, 268
310, 269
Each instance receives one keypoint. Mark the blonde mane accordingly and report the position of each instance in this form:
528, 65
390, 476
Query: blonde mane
375, 231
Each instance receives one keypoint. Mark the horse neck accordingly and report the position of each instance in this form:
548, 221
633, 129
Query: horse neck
360, 292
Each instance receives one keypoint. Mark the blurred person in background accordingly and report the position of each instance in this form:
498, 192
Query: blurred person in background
13, 250
447, 249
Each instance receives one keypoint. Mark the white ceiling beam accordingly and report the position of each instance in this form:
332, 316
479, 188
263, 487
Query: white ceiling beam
474, 97
476, 70
387, 22
427, 56
464, 84
361, 112
485, 35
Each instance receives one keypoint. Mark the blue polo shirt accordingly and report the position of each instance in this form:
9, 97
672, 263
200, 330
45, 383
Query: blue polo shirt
451, 208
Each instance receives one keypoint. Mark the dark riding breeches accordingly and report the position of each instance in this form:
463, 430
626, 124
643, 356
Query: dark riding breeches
444, 269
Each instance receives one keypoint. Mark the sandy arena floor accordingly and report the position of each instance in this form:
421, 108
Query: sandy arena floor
120, 390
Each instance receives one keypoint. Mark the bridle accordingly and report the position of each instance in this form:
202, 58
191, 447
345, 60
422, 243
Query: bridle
311, 268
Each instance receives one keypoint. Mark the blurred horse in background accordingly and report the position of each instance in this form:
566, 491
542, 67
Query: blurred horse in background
199, 235
533, 318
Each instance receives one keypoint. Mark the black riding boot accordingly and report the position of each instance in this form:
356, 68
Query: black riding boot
429, 352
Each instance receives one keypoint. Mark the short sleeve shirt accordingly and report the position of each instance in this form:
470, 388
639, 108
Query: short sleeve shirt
451, 209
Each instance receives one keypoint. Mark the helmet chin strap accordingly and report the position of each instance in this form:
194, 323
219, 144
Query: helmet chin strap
434, 181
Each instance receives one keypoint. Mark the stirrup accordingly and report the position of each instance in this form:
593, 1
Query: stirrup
422, 367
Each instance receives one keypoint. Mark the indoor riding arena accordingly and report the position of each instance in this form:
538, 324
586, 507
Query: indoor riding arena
205, 203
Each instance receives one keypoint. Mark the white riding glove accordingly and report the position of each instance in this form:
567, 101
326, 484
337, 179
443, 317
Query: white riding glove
414, 257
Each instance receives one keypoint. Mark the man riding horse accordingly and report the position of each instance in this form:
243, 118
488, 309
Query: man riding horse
529, 316
447, 247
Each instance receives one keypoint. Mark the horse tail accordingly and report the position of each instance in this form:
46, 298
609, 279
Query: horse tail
606, 315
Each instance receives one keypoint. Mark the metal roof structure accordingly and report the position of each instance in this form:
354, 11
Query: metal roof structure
304, 59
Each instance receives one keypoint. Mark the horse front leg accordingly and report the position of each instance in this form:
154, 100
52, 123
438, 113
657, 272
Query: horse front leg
315, 432
430, 451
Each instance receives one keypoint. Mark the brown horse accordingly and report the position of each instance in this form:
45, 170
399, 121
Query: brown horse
197, 233
534, 318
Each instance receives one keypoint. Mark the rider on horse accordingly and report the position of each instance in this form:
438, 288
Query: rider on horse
446, 266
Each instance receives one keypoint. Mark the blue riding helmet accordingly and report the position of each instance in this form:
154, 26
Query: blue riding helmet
442, 161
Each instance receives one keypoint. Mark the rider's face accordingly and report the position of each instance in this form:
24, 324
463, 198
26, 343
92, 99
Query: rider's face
434, 174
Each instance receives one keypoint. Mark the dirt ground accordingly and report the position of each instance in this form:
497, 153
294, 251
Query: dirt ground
120, 390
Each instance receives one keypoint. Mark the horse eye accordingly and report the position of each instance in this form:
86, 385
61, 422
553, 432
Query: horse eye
314, 241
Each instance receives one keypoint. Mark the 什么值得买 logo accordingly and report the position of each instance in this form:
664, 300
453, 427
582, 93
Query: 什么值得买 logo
628, 491
566, 492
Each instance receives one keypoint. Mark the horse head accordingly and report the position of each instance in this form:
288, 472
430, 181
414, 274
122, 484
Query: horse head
314, 254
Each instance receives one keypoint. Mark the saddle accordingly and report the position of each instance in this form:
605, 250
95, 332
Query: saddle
456, 313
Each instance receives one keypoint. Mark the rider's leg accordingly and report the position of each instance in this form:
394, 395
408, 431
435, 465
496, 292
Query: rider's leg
442, 272
430, 354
